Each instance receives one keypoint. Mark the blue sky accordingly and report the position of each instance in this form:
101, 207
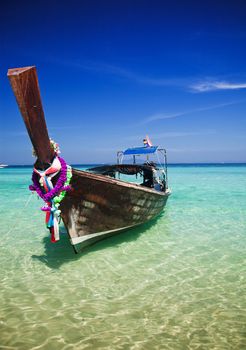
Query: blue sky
111, 72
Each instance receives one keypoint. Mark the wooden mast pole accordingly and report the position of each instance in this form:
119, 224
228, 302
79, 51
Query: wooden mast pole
24, 82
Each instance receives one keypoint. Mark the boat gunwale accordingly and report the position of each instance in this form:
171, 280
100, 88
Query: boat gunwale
108, 179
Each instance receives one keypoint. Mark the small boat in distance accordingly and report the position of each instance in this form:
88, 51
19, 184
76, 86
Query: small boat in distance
3, 166
93, 204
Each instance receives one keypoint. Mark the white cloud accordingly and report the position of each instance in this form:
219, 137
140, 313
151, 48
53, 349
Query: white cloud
216, 85
121, 72
161, 116
172, 134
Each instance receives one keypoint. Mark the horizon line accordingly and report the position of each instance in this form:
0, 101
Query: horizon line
172, 163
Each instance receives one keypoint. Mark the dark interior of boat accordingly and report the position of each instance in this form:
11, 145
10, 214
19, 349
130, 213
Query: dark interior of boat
145, 170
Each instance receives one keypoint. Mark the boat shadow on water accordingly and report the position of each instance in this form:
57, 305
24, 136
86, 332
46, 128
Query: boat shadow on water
62, 252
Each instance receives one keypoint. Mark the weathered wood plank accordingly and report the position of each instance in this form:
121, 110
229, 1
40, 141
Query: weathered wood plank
25, 86
97, 204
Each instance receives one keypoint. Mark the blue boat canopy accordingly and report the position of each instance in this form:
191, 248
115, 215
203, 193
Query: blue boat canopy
140, 150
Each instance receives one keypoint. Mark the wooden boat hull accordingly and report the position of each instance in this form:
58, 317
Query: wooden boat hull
98, 206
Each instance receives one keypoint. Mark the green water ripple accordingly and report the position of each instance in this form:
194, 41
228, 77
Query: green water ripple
176, 284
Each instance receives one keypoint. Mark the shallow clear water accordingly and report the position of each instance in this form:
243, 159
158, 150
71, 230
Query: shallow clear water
176, 284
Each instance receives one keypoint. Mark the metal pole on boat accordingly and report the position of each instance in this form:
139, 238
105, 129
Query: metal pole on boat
165, 156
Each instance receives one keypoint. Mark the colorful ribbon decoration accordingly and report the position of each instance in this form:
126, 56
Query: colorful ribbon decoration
47, 175
52, 195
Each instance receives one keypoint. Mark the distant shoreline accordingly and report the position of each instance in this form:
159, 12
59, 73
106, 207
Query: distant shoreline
169, 164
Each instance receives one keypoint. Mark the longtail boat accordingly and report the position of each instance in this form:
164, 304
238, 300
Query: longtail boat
93, 204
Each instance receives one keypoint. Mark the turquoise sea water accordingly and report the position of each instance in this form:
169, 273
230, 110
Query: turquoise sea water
176, 284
